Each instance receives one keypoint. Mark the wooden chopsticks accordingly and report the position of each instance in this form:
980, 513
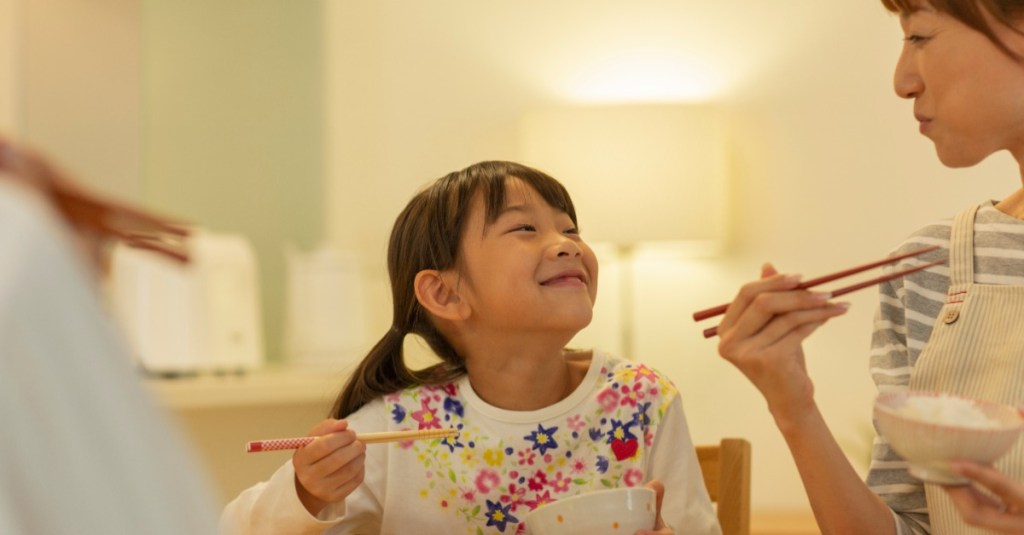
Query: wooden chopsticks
720, 309
276, 444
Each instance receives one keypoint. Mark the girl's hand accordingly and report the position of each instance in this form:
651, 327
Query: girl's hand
1004, 513
659, 525
328, 469
762, 334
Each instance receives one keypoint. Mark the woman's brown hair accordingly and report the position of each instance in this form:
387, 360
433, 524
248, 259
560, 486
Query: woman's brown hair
971, 13
426, 235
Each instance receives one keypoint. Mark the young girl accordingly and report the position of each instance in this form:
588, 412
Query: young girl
488, 267
954, 328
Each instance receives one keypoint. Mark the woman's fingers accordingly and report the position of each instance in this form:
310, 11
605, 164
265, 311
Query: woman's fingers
1004, 512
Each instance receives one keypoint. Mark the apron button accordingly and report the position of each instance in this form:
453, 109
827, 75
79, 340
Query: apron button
951, 316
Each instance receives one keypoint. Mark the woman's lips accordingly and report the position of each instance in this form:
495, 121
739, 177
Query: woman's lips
922, 123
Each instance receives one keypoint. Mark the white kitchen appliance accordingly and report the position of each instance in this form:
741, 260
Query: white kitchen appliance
203, 316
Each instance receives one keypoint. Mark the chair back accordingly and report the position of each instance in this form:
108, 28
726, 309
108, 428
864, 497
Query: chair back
726, 469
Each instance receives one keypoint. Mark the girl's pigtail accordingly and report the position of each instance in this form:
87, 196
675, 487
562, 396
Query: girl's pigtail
381, 372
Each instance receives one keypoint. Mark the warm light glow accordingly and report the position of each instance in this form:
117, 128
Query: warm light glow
629, 76
637, 173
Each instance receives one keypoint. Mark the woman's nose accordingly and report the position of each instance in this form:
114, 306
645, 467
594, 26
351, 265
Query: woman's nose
906, 80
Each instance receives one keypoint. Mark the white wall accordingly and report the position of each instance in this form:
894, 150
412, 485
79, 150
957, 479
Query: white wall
829, 170
79, 87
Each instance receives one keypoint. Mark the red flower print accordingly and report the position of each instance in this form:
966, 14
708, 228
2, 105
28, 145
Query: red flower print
630, 395
643, 372
526, 457
468, 495
539, 499
633, 477
427, 417
609, 400
561, 483
487, 480
538, 481
579, 466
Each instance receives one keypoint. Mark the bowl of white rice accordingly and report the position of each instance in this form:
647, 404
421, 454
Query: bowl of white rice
929, 430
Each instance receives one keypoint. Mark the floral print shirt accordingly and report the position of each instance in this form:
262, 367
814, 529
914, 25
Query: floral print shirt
623, 426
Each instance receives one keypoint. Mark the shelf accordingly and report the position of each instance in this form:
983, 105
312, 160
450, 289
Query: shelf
271, 386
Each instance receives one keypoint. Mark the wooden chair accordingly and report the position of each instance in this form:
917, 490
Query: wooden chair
726, 469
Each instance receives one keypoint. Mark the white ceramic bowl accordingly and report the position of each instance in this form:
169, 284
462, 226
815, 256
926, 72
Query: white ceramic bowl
619, 511
931, 429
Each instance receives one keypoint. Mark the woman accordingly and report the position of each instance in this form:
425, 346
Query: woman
962, 65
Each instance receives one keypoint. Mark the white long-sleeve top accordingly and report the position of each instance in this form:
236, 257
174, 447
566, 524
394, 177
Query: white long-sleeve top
624, 425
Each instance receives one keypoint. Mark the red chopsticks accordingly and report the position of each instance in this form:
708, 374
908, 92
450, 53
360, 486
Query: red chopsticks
89, 213
720, 309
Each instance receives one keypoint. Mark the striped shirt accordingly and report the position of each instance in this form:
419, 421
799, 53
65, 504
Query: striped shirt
908, 307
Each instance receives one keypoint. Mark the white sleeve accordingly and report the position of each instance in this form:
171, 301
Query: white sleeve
273, 507
84, 449
686, 506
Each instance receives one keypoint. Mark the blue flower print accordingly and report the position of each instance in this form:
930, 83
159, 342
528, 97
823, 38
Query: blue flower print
499, 516
543, 439
596, 433
641, 416
453, 406
621, 431
602, 464
453, 442
398, 413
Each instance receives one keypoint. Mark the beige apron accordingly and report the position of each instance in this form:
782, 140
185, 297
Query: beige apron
976, 350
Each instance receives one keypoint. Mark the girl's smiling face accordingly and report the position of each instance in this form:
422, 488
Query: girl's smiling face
966, 90
529, 269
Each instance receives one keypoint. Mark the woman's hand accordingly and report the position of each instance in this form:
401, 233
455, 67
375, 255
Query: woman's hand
659, 525
762, 334
328, 469
1004, 513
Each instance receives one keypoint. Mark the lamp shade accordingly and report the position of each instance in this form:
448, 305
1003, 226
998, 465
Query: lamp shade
636, 173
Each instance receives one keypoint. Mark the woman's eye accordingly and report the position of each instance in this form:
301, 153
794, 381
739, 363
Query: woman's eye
915, 39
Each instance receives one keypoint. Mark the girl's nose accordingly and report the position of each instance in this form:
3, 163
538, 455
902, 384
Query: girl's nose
567, 247
906, 80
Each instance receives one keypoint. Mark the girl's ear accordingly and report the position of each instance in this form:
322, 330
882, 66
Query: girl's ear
438, 296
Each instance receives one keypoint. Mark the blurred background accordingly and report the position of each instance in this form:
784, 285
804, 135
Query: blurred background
306, 126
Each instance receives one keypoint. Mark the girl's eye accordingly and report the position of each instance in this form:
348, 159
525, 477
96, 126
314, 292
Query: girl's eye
915, 39
524, 228
572, 230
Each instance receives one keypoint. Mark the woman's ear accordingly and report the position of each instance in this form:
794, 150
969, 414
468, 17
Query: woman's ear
438, 296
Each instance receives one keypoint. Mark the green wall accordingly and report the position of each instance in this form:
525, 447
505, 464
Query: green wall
233, 122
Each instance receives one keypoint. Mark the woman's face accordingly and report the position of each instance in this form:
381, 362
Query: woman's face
968, 94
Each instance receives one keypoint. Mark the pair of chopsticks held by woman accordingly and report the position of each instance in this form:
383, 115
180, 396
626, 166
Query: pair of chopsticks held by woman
505, 372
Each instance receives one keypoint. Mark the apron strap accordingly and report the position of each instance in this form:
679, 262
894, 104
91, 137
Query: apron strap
961, 250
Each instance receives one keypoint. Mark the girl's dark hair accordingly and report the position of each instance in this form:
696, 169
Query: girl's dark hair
426, 235
971, 13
